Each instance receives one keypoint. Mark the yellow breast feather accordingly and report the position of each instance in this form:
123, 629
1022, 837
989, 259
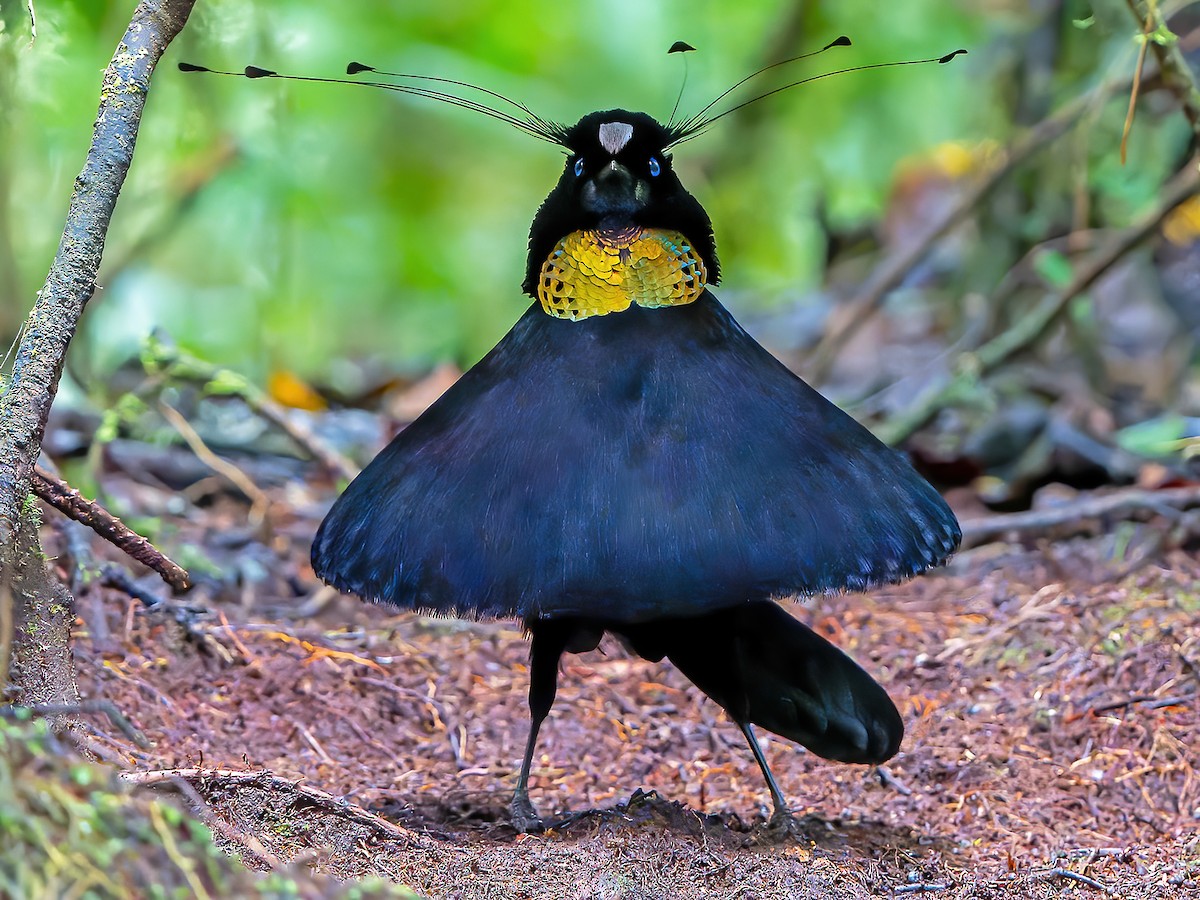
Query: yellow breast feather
594, 273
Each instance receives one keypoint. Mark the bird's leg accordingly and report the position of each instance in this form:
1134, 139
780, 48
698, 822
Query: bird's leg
782, 819
547, 646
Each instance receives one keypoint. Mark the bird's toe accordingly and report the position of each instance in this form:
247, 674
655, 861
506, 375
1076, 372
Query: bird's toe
523, 816
783, 826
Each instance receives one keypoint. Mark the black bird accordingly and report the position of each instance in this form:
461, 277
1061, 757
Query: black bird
628, 459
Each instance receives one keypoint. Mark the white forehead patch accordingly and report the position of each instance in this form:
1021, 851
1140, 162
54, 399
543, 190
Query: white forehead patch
615, 135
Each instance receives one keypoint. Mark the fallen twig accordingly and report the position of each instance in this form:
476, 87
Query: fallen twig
1120, 854
199, 777
1073, 876
243, 839
315, 651
441, 719
887, 779
72, 504
113, 576
1155, 703
1120, 504
185, 616
178, 364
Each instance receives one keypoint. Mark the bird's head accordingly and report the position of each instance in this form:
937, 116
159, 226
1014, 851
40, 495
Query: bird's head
619, 227
617, 178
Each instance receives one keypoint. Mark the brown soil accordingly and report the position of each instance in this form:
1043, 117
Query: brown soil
1050, 702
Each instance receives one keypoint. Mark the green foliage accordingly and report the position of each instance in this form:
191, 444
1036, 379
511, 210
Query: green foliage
1054, 268
1160, 436
68, 828
269, 224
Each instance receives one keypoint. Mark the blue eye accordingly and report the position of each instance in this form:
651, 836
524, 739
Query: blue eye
579, 167
655, 168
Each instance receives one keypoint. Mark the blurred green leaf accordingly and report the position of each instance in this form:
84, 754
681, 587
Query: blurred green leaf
1154, 437
1053, 268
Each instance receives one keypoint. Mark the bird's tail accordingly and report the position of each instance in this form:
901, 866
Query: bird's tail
766, 668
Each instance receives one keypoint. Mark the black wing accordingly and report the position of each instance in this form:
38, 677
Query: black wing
629, 467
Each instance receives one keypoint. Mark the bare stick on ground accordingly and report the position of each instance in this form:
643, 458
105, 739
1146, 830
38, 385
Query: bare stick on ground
1117, 505
1075, 876
167, 358
232, 778
259, 502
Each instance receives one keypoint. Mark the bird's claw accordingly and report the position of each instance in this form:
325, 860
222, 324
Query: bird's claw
783, 826
523, 816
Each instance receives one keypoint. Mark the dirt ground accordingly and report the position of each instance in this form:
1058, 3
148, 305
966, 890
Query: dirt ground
1049, 692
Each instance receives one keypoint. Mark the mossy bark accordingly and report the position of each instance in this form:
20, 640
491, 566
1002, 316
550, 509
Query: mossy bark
41, 669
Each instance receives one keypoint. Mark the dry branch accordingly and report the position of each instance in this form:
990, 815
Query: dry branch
168, 359
1119, 505
75, 506
259, 502
1074, 876
200, 777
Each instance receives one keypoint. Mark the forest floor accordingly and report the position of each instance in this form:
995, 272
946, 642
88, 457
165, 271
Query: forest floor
1049, 691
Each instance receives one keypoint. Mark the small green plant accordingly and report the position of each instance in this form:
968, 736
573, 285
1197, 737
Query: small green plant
68, 826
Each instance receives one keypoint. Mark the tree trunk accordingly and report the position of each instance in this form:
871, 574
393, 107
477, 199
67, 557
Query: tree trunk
37, 607
41, 670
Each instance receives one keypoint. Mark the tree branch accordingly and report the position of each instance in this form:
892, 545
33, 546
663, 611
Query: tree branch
74, 505
1176, 73
1118, 505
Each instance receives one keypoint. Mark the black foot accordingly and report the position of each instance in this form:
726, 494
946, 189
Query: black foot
523, 816
783, 826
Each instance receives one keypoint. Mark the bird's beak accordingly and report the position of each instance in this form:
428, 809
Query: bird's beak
614, 189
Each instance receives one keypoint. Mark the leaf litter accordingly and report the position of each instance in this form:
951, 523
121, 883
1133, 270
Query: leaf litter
1050, 702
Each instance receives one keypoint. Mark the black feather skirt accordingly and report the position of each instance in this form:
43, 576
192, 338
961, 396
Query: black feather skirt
646, 464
